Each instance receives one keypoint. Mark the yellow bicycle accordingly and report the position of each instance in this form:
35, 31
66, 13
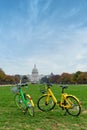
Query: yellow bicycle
70, 103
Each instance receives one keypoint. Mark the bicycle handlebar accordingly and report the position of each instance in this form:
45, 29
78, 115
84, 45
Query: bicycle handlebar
23, 84
49, 84
62, 86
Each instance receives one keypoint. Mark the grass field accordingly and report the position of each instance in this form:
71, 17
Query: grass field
11, 118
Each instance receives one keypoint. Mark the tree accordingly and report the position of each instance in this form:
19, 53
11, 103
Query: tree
75, 76
44, 80
82, 78
66, 78
54, 78
7, 79
25, 79
2, 76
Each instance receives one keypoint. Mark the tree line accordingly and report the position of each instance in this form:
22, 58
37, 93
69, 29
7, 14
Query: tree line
8, 79
12, 79
66, 78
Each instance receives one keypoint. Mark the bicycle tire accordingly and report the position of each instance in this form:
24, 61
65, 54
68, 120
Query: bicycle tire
19, 102
75, 109
30, 105
43, 106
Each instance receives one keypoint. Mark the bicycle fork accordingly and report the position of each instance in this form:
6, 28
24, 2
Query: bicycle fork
29, 104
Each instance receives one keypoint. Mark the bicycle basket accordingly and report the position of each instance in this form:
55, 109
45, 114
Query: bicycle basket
43, 89
15, 89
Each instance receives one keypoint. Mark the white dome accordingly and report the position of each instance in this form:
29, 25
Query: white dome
34, 70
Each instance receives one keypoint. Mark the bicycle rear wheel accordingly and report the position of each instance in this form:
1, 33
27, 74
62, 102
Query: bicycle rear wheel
45, 106
30, 108
75, 108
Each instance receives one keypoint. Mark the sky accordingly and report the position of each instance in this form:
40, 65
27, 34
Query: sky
49, 33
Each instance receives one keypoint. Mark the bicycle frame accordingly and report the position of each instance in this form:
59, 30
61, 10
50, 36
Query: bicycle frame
50, 93
63, 97
24, 101
30, 99
23, 98
67, 102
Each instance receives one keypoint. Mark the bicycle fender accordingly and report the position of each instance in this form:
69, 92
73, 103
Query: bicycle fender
74, 97
30, 99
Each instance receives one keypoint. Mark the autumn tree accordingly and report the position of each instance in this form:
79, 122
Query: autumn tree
2, 76
8, 79
66, 78
54, 78
82, 78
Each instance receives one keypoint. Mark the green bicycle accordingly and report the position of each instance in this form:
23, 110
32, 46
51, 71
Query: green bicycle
23, 101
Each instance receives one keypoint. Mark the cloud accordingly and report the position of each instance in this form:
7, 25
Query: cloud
40, 37
79, 56
82, 67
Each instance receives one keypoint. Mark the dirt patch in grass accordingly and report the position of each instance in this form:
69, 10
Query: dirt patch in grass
84, 112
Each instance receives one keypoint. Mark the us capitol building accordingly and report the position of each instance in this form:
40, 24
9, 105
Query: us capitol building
35, 77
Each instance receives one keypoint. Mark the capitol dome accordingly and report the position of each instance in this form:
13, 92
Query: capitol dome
34, 70
35, 77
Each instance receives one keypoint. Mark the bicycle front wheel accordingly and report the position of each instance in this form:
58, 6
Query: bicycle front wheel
30, 104
75, 108
19, 102
45, 106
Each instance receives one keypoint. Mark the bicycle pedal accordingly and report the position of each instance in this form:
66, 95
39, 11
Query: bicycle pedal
22, 110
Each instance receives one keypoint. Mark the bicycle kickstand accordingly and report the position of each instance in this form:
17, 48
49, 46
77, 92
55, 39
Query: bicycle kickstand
65, 113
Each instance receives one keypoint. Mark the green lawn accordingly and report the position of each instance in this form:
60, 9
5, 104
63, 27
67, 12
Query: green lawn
11, 118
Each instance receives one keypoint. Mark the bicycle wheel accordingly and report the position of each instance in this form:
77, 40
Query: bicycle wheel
75, 108
19, 102
43, 105
30, 107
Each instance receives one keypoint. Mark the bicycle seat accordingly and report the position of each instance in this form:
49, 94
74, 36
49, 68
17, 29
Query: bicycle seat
64, 86
49, 84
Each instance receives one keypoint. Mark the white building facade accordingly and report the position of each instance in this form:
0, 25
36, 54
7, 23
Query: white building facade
35, 77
